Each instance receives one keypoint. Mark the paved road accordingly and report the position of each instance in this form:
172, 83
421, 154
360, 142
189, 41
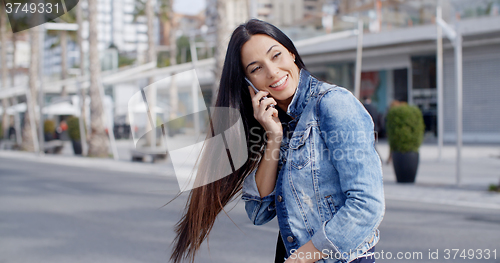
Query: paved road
422, 228
54, 213
57, 213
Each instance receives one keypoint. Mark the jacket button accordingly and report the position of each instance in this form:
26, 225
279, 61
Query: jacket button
280, 198
289, 239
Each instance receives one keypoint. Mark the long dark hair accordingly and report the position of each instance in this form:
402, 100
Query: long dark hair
208, 200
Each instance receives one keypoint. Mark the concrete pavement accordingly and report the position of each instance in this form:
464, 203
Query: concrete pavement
436, 179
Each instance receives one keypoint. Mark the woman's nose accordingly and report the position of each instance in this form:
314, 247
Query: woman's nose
272, 72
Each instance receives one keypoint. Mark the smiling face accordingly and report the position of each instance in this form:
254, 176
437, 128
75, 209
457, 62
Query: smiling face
270, 67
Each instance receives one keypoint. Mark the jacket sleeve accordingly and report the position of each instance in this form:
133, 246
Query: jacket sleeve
260, 210
347, 129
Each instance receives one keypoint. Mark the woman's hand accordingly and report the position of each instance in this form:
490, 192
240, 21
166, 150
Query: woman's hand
307, 253
266, 115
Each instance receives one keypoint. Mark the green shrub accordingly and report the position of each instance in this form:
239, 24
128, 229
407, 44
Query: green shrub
73, 128
49, 126
494, 187
405, 128
177, 124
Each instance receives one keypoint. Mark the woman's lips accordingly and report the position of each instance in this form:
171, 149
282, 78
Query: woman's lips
283, 85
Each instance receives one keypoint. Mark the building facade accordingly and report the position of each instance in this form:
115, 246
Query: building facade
116, 28
400, 65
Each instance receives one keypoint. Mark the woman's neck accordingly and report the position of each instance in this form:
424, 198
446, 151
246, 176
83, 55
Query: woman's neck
283, 104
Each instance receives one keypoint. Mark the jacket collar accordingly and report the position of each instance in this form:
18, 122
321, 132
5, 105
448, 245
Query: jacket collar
302, 94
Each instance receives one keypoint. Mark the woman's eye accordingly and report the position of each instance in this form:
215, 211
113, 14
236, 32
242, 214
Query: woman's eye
277, 54
253, 70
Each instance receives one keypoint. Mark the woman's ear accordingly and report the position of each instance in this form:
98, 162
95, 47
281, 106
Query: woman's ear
293, 56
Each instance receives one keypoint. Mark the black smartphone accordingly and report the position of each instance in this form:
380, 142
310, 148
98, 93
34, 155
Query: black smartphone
256, 90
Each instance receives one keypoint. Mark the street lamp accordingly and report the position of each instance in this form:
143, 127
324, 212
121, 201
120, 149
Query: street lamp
455, 36
359, 53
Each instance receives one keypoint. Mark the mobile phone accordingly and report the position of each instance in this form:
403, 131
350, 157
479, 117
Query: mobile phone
256, 90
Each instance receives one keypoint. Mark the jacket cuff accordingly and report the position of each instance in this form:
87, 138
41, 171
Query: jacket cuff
323, 244
251, 192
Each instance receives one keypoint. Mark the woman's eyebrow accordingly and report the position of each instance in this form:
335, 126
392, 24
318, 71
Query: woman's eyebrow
269, 50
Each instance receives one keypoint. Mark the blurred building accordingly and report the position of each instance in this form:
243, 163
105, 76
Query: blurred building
399, 61
190, 23
236, 13
281, 13
116, 28
288, 13
18, 72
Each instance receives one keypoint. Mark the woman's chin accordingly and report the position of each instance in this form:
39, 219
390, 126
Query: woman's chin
285, 95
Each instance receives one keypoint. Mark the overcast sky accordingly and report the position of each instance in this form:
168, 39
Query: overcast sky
190, 7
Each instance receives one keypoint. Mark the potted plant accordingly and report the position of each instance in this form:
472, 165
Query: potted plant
49, 129
175, 126
74, 134
405, 132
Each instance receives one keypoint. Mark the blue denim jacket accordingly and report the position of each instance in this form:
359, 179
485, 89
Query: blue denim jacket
329, 185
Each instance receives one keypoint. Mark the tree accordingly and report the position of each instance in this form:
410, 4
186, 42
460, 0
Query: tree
79, 40
28, 130
14, 101
167, 19
63, 43
98, 145
69, 17
170, 22
151, 57
169, 26
3, 55
64, 59
17, 118
221, 45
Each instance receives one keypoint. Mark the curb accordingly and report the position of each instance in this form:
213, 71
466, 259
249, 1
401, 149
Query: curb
443, 195
99, 163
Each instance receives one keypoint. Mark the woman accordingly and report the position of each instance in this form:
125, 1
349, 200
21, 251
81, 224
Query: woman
315, 166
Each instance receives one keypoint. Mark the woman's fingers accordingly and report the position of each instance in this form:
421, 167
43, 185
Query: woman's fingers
262, 111
256, 98
271, 112
265, 103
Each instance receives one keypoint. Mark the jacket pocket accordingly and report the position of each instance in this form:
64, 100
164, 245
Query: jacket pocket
300, 148
331, 205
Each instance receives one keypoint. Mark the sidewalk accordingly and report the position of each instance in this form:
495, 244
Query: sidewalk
67, 158
435, 181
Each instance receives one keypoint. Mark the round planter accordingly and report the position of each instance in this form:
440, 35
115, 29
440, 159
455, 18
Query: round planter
77, 147
405, 166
